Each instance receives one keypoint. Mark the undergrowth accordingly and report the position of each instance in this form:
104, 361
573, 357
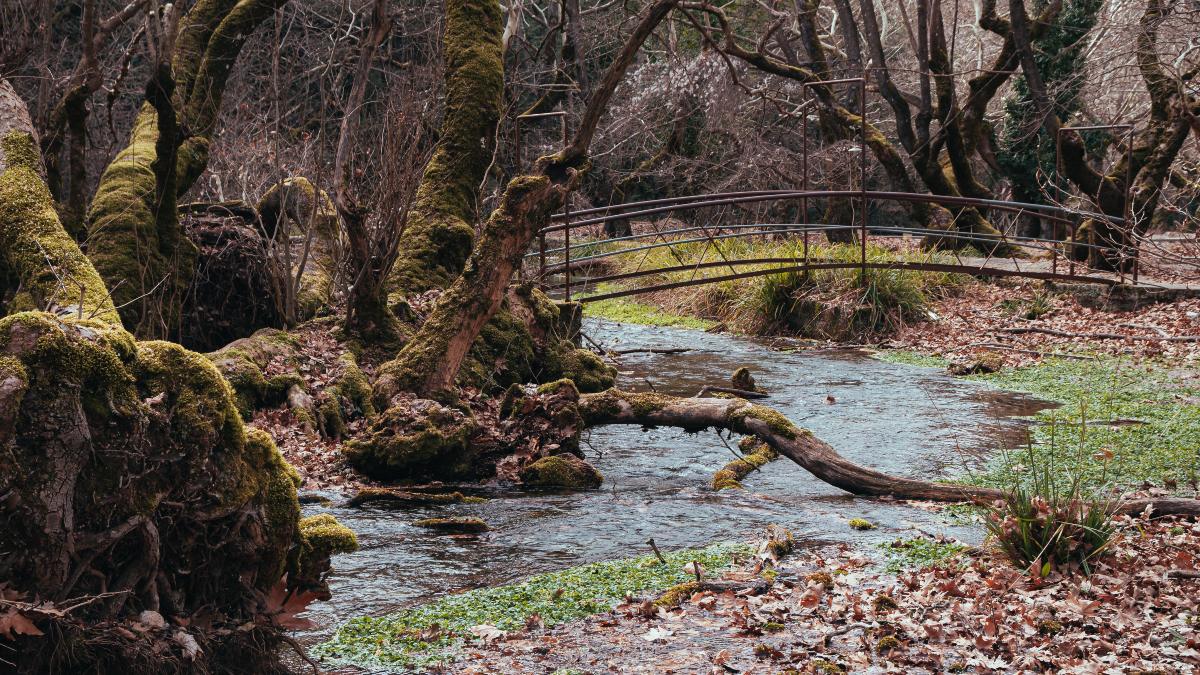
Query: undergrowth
1044, 524
846, 303
918, 553
423, 636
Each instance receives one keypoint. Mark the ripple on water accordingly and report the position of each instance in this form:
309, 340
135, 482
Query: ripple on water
900, 419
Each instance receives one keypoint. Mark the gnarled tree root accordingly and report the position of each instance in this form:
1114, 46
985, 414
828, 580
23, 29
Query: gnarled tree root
802, 447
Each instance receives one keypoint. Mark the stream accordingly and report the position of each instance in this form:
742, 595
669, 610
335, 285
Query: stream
904, 420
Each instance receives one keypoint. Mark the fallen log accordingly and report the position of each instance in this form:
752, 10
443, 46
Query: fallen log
802, 447
1101, 336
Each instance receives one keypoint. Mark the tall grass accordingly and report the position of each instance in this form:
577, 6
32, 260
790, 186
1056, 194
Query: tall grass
846, 303
1049, 523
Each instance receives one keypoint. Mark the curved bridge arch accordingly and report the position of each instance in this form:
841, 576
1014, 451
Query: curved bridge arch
1056, 267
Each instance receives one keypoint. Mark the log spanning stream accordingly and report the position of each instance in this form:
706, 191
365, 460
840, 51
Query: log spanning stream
903, 420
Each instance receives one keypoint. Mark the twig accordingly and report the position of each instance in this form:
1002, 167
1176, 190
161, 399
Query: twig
1102, 336
1183, 574
300, 652
1034, 352
658, 553
740, 393
670, 350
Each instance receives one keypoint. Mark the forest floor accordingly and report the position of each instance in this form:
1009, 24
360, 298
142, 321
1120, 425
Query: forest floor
832, 610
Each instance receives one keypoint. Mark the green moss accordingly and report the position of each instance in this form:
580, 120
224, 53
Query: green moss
756, 455
822, 578
437, 239
393, 641
463, 525
421, 439
1049, 627
162, 431
823, 667
775, 421
46, 263
585, 369
561, 471
132, 250
20, 151
624, 310
600, 407
861, 524
781, 544
884, 603
886, 644
677, 594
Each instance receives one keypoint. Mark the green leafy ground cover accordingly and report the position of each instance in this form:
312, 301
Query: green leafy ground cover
1120, 424
423, 636
918, 553
625, 310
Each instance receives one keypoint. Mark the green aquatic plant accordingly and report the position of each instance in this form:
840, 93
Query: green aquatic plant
422, 636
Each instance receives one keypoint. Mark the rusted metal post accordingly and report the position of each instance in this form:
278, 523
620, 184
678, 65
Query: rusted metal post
541, 256
862, 168
1126, 211
804, 177
567, 245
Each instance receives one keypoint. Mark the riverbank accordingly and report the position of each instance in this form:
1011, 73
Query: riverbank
831, 610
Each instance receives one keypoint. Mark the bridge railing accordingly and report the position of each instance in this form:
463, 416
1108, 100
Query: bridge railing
570, 221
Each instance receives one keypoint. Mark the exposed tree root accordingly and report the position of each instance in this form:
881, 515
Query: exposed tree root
802, 447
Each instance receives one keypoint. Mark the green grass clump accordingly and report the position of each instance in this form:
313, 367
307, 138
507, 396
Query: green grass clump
918, 553
420, 637
1156, 437
1043, 524
625, 310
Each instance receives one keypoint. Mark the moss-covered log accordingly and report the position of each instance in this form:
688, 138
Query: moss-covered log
802, 447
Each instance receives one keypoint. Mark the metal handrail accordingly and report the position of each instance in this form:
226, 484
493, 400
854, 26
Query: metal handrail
1014, 207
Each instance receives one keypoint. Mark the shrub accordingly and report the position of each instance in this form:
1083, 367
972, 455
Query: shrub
1043, 524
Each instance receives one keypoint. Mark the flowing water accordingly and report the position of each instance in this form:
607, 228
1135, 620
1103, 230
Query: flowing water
903, 420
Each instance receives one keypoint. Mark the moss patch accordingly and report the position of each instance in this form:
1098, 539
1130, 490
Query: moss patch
755, 455
395, 640
561, 471
624, 310
918, 553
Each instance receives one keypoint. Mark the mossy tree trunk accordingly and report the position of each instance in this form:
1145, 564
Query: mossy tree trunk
1172, 109
440, 229
133, 228
430, 361
129, 477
